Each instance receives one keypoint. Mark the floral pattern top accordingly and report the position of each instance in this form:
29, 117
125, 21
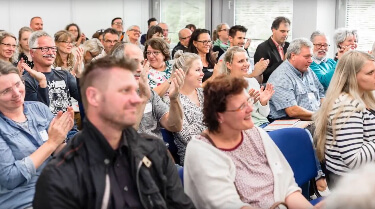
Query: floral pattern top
156, 78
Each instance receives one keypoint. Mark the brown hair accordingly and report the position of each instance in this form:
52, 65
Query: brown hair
158, 44
97, 69
7, 68
60, 36
216, 93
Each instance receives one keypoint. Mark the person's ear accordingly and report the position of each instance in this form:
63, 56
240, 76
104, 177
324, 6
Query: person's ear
93, 96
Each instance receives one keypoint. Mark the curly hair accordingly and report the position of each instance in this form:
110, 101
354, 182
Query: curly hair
215, 94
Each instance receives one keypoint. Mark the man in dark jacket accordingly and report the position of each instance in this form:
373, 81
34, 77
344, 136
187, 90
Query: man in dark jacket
275, 47
108, 164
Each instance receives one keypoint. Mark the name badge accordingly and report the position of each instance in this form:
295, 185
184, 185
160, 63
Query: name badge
148, 108
60, 84
44, 135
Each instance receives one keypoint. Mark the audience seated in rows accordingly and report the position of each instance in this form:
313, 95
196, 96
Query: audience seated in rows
150, 22
220, 38
298, 92
109, 165
184, 36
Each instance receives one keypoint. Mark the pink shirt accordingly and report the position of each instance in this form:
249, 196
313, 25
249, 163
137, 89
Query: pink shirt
279, 48
254, 178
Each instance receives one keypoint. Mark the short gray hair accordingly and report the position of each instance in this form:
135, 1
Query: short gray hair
315, 34
342, 33
92, 45
118, 50
131, 27
296, 45
33, 39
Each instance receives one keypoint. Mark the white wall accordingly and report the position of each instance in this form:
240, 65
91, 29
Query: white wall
312, 15
89, 15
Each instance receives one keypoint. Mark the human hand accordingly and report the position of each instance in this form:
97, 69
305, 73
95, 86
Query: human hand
168, 40
247, 44
177, 82
321, 184
77, 69
40, 77
60, 126
341, 51
265, 94
144, 88
19, 66
254, 94
260, 67
217, 69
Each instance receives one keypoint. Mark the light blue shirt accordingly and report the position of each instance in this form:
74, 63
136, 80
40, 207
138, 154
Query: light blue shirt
294, 88
18, 175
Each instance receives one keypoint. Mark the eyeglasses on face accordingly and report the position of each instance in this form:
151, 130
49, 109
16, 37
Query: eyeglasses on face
117, 23
206, 42
9, 45
67, 42
224, 30
46, 48
248, 103
155, 53
319, 46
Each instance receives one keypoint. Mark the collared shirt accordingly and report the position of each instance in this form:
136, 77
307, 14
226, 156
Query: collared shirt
324, 70
294, 88
18, 174
279, 48
124, 193
155, 109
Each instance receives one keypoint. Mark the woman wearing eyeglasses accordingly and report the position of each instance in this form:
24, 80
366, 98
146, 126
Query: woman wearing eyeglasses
30, 135
77, 36
220, 38
200, 43
157, 54
233, 164
65, 58
236, 64
7, 46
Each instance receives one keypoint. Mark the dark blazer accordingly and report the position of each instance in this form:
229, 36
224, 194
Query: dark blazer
268, 50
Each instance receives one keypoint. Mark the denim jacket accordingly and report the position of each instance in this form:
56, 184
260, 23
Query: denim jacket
18, 175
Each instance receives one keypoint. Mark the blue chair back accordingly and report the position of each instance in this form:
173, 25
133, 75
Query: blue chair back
296, 146
169, 139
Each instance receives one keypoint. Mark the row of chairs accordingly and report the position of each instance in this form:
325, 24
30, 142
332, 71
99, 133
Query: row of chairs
297, 147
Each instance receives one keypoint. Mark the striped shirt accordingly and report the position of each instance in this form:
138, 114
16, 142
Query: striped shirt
354, 134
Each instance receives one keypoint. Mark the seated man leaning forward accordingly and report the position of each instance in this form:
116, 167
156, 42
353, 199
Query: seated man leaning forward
107, 164
298, 92
29, 136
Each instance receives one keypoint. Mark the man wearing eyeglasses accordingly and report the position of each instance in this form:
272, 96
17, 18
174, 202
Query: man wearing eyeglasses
45, 84
110, 38
184, 37
117, 24
322, 66
133, 34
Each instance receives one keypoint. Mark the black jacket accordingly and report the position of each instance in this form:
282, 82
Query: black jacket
268, 50
76, 177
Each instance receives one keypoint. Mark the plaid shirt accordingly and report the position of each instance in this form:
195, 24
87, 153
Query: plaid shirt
294, 88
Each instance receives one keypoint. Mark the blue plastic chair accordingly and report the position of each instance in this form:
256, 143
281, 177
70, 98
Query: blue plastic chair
297, 147
169, 140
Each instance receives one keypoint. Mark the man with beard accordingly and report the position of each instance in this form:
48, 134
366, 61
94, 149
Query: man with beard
275, 47
45, 84
108, 164
322, 66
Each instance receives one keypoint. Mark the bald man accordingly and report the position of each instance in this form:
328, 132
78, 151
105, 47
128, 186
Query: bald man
184, 37
36, 23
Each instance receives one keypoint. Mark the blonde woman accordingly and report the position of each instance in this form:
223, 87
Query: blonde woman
345, 123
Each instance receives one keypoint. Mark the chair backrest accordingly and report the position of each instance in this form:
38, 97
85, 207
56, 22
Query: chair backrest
169, 139
297, 147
